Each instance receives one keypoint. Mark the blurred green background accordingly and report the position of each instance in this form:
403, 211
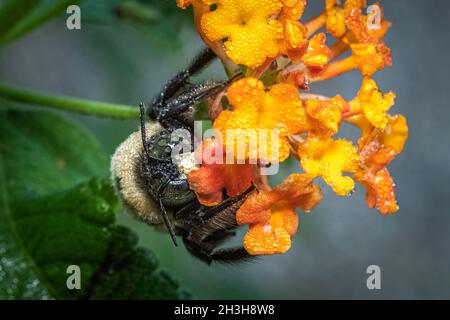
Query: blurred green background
121, 63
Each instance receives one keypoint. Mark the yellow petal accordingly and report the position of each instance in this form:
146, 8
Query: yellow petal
329, 159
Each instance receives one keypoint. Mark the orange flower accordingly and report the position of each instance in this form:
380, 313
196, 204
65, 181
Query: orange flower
259, 112
326, 115
318, 54
335, 20
358, 25
378, 147
294, 44
351, 28
272, 217
365, 57
269, 124
211, 178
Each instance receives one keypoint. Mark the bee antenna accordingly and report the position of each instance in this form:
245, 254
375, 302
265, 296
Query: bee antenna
143, 130
166, 216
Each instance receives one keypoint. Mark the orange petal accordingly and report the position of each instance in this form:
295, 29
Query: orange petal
273, 237
293, 9
284, 110
327, 114
380, 191
336, 22
298, 191
376, 156
318, 54
257, 208
263, 239
367, 58
294, 39
211, 178
246, 93
286, 219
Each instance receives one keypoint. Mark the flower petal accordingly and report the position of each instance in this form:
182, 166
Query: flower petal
260, 121
328, 158
263, 239
210, 179
373, 103
380, 191
251, 32
327, 114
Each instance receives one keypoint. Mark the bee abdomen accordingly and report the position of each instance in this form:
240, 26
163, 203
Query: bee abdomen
124, 176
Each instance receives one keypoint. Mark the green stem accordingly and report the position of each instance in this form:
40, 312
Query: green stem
82, 106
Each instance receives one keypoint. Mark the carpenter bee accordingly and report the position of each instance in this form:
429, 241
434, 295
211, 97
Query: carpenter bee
155, 188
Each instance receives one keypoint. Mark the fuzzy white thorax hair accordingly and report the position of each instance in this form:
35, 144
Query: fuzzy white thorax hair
124, 171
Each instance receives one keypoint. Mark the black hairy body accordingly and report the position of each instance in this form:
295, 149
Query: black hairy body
157, 177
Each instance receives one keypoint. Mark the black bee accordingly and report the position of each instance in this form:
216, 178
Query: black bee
155, 189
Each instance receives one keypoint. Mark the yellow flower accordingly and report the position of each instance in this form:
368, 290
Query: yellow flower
253, 30
258, 112
367, 58
253, 33
373, 103
326, 115
328, 158
335, 22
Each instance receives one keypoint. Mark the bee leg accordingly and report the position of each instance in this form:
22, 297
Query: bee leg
232, 255
188, 99
180, 80
202, 221
143, 130
201, 252
208, 227
165, 215
206, 253
229, 205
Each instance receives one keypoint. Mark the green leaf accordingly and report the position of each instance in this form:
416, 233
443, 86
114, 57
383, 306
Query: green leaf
55, 212
12, 11
23, 16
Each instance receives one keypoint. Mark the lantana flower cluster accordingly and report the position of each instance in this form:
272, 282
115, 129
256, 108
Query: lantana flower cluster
279, 57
